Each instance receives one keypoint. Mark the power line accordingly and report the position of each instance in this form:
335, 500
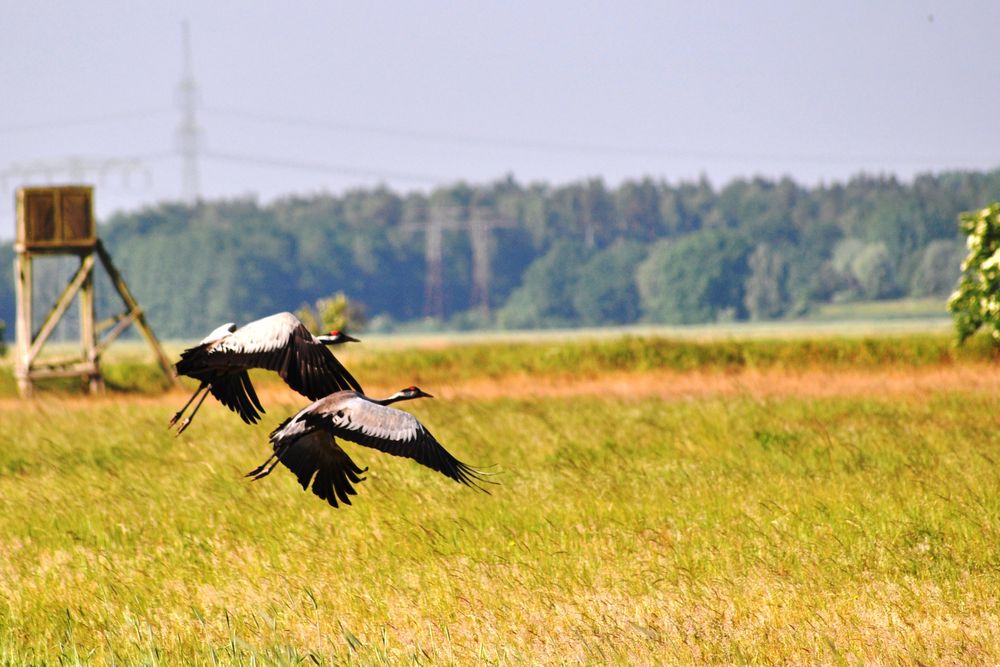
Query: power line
324, 167
84, 120
431, 136
565, 147
73, 163
478, 140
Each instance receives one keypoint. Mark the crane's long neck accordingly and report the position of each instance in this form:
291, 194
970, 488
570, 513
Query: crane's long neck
398, 396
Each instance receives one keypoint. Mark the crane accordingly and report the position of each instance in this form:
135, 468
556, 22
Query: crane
306, 443
280, 343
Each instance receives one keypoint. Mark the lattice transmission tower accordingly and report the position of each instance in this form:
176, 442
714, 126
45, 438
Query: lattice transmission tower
188, 132
479, 223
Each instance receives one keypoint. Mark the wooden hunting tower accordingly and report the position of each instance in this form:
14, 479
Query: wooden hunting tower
60, 221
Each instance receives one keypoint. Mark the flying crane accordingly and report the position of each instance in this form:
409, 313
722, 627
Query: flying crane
278, 343
306, 443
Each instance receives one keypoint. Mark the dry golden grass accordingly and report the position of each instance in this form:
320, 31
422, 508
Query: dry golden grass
757, 383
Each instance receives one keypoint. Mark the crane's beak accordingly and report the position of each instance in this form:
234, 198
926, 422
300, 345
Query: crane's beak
344, 338
423, 394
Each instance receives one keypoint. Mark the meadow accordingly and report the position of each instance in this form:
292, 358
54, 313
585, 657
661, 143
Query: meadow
736, 501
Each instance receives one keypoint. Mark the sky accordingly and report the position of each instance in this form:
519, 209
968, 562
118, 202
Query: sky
307, 97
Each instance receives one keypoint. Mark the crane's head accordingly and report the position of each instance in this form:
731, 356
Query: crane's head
336, 337
410, 393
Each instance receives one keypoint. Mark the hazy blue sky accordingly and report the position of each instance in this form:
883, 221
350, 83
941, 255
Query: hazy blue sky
308, 96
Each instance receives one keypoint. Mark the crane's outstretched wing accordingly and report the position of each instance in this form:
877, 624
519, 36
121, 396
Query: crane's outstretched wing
388, 430
314, 372
281, 343
315, 457
233, 389
236, 392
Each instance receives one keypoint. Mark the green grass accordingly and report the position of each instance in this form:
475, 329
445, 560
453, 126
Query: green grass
701, 531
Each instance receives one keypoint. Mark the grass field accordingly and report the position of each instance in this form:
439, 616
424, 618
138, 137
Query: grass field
763, 524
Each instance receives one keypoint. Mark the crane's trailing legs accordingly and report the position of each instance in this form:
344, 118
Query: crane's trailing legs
263, 470
180, 412
203, 390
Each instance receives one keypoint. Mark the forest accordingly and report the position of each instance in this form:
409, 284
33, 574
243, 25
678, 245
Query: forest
508, 255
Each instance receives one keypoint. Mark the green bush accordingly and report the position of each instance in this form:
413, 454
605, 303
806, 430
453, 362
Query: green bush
333, 313
976, 302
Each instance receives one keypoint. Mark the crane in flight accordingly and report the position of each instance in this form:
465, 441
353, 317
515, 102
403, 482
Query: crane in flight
306, 443
280, 343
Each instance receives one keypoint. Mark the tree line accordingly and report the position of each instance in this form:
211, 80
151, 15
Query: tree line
514, 255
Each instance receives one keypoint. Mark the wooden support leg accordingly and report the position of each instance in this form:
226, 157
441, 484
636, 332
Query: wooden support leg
133, 308
22, 281
88, 335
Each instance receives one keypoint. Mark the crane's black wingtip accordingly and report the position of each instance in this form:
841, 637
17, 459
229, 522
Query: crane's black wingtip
474, 477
